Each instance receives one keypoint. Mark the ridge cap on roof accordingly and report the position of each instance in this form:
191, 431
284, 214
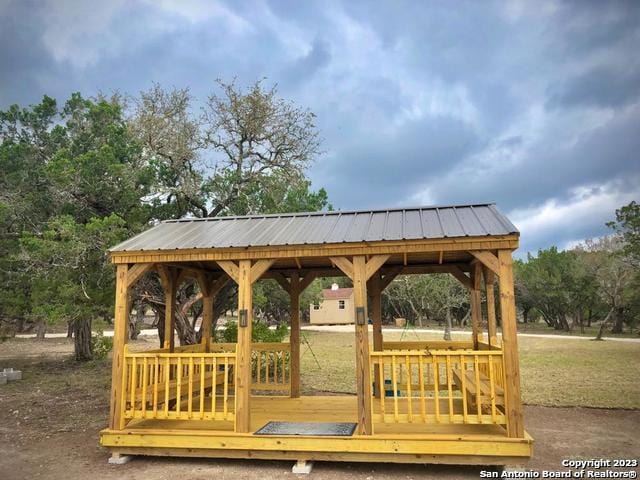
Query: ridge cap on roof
326, 212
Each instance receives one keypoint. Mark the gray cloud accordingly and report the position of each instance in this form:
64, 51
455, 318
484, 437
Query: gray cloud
533, 105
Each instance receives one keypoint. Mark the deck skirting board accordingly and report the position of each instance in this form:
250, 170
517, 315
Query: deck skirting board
358, 448
324, 456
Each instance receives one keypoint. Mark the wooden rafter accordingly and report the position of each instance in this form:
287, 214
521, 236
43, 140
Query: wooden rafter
136, 272
461, 276
388, 276
488, 259
231, 268
259, 268
374, 264
282, 281
344, 264
306, 280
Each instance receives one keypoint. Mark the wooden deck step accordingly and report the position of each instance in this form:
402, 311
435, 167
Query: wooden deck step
472, 388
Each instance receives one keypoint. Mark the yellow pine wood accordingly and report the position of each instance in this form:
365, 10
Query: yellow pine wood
376, 317
345, 265
491, 306
243, 362
294, 337
515, 425
363, 375
476, 303
488, 259
119, 341
461, 276
259, 268
136, 272
231, 268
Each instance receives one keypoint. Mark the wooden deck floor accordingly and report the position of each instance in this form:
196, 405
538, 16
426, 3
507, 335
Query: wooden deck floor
321, 409
416, 443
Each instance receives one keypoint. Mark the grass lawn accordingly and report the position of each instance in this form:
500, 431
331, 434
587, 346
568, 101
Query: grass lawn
554, 372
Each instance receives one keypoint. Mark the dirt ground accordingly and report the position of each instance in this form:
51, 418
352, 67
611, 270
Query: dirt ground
49, 424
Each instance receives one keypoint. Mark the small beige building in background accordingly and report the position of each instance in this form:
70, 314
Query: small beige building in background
335, 308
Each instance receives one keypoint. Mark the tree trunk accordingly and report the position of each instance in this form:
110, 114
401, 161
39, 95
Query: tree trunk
160, 315
603, 324
41, 329
618, 320
447, 328
135, 320
70, 329
82, 339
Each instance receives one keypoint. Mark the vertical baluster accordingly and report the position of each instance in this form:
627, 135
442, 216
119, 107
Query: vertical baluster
190, 395
134, 384
214, 386
283, 367
202, 368
422, 397
145, 380
449, 387
407, 365
394, 384
258, 366
267, 359
381, 386
463, 371
156, 372
478, 396
226, 386
123, 393
436, 386
492, 390
167, 374
179, 386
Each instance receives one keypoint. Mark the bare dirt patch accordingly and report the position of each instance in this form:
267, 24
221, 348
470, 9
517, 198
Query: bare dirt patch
49, 426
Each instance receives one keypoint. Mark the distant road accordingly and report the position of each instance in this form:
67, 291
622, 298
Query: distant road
152, 332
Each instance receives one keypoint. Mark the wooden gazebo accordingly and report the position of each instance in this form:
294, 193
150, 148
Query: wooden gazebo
421, 402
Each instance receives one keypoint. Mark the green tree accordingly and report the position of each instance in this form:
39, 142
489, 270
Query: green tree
73, 184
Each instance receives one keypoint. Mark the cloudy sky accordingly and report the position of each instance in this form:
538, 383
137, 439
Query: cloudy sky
532, 105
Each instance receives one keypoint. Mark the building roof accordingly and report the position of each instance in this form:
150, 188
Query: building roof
317, 228
338, 294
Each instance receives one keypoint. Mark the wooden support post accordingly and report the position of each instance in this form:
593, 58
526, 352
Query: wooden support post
360, 270
170, 285
476, 303
207, 320
243, 360
294, 337
363, 375
375, 294
491, 306
119, 341
515, 425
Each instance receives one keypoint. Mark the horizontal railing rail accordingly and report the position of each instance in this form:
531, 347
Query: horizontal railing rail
429, 345
198, 347
439, 386
270, 365
178, 386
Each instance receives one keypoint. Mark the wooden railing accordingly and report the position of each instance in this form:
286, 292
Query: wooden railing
270, 365
439, 386
178, 385
429, 345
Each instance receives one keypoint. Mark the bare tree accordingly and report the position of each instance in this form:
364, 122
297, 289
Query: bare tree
228, 160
